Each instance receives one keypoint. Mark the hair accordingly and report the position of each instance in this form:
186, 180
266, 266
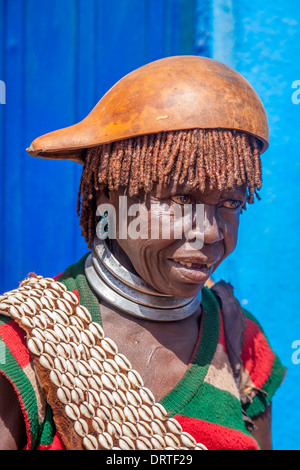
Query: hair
199, 158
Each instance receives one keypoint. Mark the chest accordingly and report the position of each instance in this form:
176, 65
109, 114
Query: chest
160, 353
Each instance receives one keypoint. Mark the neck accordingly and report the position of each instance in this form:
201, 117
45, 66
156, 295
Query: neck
129, 293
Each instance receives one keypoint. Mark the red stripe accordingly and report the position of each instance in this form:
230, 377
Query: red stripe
57, 276
14, 337
215, 436
56, 444
257, 355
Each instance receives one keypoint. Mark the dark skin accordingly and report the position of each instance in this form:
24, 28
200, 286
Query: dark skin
161, 346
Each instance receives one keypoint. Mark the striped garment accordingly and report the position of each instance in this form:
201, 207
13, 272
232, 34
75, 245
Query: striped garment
206, 401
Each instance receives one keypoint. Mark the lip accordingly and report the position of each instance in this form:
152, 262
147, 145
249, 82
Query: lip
197, 272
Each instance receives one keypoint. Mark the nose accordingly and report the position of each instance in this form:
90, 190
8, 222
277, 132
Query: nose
209, 228
212, 232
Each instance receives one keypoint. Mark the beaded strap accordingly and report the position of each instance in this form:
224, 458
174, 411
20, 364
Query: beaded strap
98, 400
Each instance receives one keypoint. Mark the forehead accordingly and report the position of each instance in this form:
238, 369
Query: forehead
174, 188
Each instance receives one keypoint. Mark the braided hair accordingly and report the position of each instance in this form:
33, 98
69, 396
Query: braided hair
200, 158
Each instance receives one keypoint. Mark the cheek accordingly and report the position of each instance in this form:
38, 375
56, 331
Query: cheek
230, 228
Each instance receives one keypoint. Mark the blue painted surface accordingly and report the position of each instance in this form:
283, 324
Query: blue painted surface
58, 58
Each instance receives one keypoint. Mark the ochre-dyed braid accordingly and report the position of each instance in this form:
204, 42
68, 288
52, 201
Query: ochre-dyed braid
200, 158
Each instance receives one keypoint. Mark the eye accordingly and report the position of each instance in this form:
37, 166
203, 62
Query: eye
182, 199
232, 204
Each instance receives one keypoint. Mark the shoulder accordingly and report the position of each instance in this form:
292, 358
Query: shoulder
262, 371
251, 355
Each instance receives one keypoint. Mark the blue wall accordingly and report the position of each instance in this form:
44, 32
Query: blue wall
58, 58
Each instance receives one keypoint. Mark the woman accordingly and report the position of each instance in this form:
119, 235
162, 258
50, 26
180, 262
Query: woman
171, 157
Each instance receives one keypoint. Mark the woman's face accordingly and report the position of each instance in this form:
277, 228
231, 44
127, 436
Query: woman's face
175, 238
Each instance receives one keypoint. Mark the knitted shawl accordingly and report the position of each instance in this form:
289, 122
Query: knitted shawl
206, 401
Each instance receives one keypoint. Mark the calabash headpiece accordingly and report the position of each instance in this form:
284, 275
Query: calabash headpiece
174, 93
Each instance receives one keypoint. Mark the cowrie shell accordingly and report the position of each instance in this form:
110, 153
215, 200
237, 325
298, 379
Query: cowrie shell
84, 369
88, 338
172, 441
4, 305
98, 353
48, 280
145, 413
64, 350
46, 361
56, 378
77, 395
74, 350
95, 383
173, 426
117, 415
58, 286
52, 336
11, 300
81, 383
125, 443
61, 333
106, 398
123, 382
87, 410
135, 379
90, 442
81, 427
77, 322
144, 429
108, 381
96, 329
68, 380
64, 395
72, 367
110, 366
53, 294
109, 346
105, 440
131, 413
93, 397
114, 429
84, 351
129, 430
50, 348
122, 362
47, 302
146, 396
158, 427
47, 315
35, 301
35, 346
26, 321
119, 397
157, 442
61, 364
70, 297
31, 305
61, 317
40, 322
16, 312
187, 440
63, 305
74, 334
133, 398
143, 443
159, 411
96, 365
200, 446
104, 413
72, 411
83, 313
